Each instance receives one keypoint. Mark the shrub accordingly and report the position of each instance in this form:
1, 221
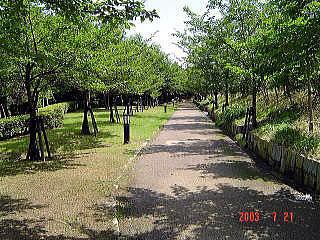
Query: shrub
297, 140
240, 140
53, 115
230, 114
204, 104
13, 126
18, 125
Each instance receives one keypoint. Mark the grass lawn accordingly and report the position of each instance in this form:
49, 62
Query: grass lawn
68, 197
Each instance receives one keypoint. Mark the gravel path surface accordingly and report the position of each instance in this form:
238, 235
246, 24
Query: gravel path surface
192, 182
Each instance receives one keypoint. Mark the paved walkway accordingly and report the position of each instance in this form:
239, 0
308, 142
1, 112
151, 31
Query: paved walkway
193, 182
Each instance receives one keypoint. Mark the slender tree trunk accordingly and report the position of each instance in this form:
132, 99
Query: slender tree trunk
4, 107
137, 105
41, 148
33, 151
45, 137
141, 104
112, 119
254, 105
94, 123
106, 100
277, 94
227, 96
85, 124
131, 107
117, 113
288, 93
2, 112
128, 106
216, 100
310, 108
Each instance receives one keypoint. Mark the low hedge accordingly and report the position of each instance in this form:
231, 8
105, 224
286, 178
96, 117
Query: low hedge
13, 126
18, 125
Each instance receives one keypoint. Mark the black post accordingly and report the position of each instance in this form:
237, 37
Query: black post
165, 107
126, 128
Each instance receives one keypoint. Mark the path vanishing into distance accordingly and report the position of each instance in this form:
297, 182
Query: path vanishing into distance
193, 181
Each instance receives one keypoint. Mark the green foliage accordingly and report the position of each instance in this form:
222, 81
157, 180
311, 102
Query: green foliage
295, 139
204, 104
53, 114
240, 140
18, 125
230, 114
14, 126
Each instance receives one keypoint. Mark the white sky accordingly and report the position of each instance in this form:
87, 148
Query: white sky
171, 19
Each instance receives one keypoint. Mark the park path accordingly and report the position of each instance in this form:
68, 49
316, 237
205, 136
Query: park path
193, 181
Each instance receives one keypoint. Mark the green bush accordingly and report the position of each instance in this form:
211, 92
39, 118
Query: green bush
13, 126
230, 114
18, 125
240, 140
53, 115
296, 140
204, 104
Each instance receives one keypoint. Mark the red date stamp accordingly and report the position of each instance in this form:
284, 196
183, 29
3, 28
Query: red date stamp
277, 217
283, 217
246, 217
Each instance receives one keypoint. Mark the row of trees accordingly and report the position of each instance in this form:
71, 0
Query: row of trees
248, 46
47, 45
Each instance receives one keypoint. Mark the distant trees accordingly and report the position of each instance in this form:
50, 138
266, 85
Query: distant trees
253, 46
78, 44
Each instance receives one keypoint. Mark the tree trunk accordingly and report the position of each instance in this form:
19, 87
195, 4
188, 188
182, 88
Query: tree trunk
117, 113
288, 93
216, 100
310, 109
254, 105
131, 107
4, 107
42, 156
137, 105
106, 100
94, 122
45, 138
227, 97
85, 124
112, 120
2, 112
141, 104
277, 94
33, 151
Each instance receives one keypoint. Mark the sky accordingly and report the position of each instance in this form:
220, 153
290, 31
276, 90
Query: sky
171, 19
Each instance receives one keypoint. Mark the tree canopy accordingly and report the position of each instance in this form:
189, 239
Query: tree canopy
245, 46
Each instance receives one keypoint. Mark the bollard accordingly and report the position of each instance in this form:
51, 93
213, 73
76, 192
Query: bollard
165, 107
126, 128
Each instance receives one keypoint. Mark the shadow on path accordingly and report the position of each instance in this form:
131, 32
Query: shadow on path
214, 214
193, 146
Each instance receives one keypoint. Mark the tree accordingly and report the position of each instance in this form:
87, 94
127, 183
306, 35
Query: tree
255, 45
38, 35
